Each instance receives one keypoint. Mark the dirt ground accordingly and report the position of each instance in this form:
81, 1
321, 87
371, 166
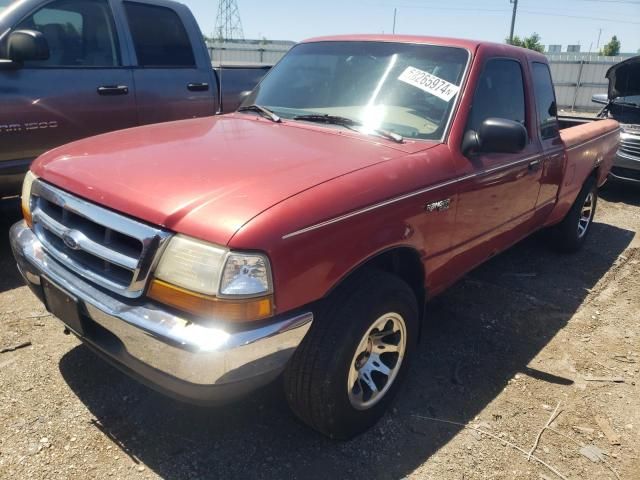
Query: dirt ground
526, 332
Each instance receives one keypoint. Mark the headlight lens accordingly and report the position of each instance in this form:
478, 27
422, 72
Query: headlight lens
245, 275
213, 283
25, 200
192, 264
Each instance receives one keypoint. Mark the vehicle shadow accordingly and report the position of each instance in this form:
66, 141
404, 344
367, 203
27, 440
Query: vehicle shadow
9, 276
508, 310
621, 193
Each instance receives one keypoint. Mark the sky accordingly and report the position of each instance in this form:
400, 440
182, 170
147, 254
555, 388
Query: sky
555, 20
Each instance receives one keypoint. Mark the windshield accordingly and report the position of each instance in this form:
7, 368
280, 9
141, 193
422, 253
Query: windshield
402, 88
4, 4
625, 110
630, 100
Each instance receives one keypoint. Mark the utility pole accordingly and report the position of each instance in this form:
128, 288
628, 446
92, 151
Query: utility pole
395, 12
598, 44
513, 19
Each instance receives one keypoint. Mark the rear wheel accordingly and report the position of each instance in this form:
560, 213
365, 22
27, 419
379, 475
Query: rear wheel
570, 234
351, 363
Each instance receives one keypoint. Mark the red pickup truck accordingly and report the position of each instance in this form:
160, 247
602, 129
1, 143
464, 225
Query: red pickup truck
304, 233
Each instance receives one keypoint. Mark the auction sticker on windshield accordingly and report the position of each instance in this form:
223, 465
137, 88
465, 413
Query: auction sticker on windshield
429, 83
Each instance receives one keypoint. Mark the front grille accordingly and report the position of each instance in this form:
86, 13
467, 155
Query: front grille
107, 248
630, 144
630, 128
626, 173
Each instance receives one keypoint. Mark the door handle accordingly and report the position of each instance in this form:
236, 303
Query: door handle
198, 87
113, 90
533, 165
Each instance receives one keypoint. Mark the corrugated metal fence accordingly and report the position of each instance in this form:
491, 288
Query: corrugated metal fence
576, 77
230, 53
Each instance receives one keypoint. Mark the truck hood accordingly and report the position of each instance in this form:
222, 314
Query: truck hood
208, 177
624, 78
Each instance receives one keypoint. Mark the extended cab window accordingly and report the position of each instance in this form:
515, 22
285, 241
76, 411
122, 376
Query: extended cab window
545, 101
80, 33
499, 93
159, 36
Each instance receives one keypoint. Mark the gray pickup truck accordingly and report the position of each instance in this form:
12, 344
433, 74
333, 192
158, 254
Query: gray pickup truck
71, 69
622, 103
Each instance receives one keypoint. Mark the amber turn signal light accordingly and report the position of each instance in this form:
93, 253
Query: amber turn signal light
240, 310
27, 217
25, 198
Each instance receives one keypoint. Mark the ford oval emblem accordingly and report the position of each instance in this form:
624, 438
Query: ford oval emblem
70, 240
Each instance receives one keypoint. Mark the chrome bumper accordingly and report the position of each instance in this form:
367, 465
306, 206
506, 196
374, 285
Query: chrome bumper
626, 168
192, 362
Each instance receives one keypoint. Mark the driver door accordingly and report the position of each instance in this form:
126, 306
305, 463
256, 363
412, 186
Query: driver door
498, 198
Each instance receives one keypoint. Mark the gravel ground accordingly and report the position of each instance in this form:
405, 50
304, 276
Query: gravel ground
526, 332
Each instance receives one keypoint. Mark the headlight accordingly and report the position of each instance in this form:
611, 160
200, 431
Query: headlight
245, 275
25, 200
212, 282
192, 264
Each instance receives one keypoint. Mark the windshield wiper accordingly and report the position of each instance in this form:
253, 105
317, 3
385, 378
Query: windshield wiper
395, 137
326, 118
265, 112
349, 123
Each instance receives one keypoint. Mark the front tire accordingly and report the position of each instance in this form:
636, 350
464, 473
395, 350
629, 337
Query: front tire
570, 234
350, 365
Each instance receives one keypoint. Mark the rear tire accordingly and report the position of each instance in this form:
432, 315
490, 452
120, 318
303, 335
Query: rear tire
570, 234
360, 342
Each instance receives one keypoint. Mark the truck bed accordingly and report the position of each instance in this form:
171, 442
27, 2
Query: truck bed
235, 80
588, 144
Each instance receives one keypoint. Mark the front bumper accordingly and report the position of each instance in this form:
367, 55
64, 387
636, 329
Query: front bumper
626, 168
626, 165
191, 362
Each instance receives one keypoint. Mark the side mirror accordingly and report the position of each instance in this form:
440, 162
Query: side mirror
24, 45
600, 98
496, 135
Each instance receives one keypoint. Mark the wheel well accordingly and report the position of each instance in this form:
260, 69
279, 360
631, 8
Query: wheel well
403, 262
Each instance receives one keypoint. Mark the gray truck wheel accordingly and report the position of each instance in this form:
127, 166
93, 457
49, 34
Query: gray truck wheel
570, 234
351, 363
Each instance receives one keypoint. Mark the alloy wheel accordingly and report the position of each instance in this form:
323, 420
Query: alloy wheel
377, 361
586, 215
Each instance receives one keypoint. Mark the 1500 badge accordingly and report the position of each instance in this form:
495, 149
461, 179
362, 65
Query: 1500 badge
22, 127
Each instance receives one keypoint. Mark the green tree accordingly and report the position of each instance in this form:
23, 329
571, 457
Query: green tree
612, 48
531, 42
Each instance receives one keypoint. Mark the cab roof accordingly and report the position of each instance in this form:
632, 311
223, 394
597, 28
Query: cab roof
470, 45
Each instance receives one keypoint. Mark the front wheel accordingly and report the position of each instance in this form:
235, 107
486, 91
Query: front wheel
570, 234
351, 363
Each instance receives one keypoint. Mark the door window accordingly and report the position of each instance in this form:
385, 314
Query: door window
545, 101
80, 33
159, 36
499, 93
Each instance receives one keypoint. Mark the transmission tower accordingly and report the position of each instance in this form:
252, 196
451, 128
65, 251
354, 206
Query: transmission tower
228, 23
